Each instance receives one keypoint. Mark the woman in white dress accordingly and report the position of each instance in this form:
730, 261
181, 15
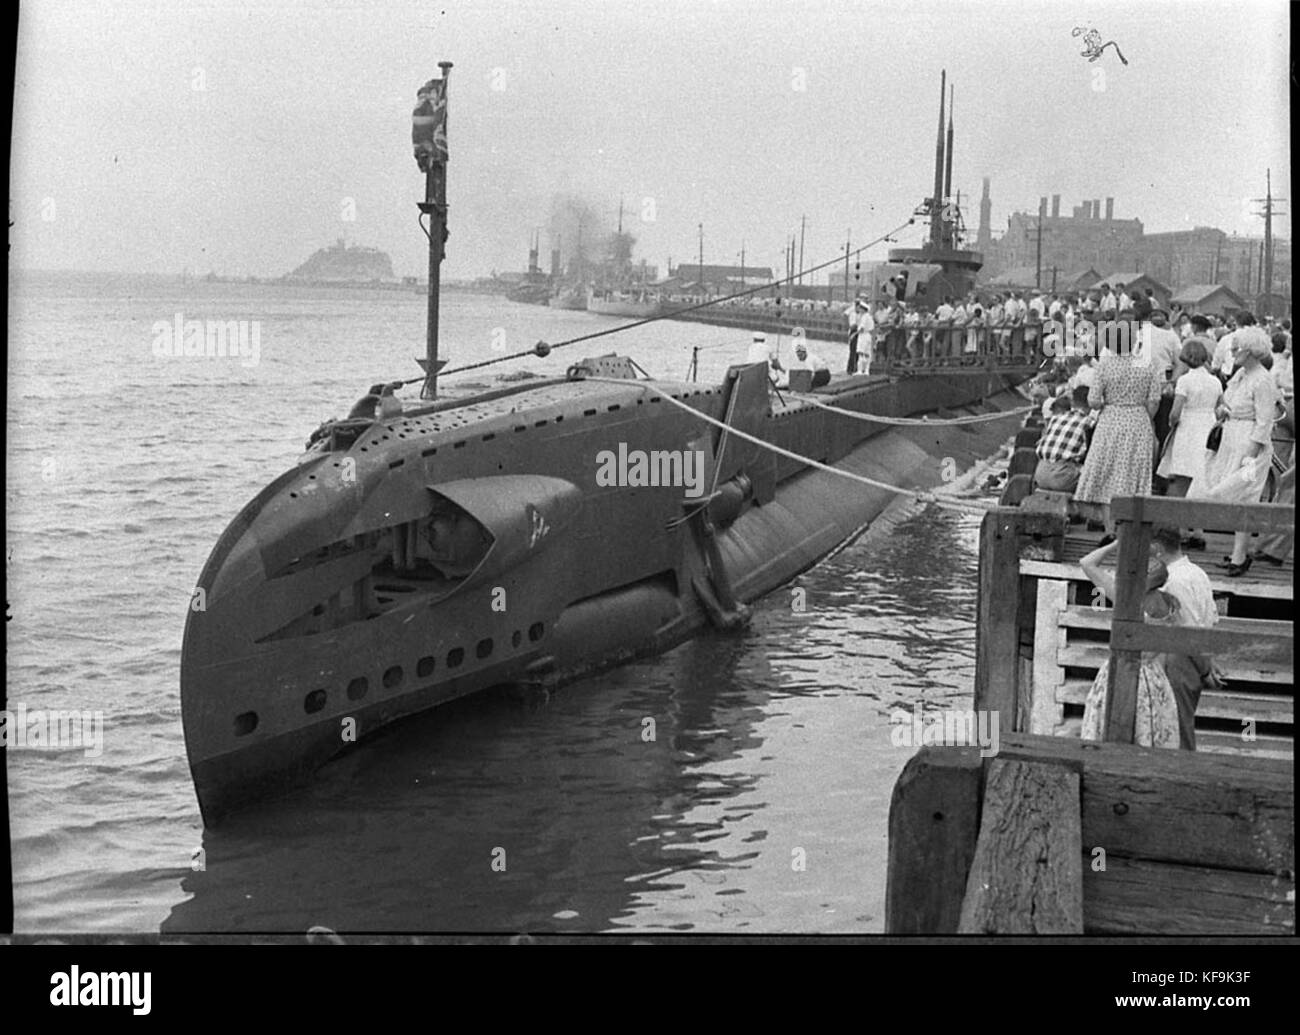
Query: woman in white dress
1196, 396
1238, 471
1156, 711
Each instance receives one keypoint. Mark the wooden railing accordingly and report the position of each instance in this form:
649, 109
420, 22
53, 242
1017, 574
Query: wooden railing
1130, 635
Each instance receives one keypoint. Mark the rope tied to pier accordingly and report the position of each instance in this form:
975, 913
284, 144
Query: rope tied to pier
921, 496
933, 422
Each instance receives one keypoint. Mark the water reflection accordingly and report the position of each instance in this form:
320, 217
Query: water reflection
676, 793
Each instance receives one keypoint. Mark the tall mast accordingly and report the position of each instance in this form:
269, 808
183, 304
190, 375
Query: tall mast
429, 135
949, 228
947, 176
936, 201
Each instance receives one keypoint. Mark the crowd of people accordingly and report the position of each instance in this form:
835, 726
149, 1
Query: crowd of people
1201, 414
1204, 409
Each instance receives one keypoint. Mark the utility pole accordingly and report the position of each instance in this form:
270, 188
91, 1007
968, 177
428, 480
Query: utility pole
802, 228
1218, 253
848, 237
1038, 271
701, 276
742, 265
1266, 247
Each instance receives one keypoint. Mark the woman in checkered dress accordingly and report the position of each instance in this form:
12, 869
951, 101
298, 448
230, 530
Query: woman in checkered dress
1127, 391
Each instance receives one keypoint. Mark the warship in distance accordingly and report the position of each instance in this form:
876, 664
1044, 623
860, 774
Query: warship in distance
412, 557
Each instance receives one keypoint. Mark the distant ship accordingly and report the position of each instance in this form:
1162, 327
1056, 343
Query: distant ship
536, 532
636, 304
570, 297
535, 287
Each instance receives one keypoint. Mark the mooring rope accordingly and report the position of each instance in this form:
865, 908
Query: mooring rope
934, 422
952, 503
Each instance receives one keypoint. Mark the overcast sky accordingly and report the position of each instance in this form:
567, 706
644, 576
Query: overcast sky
239, 137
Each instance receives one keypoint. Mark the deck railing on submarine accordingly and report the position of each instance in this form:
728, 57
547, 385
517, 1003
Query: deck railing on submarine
945, 344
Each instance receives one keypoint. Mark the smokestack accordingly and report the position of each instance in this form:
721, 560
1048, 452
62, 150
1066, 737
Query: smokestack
1087, 210
1110, 209
947, 176
555, 261
1042, 207
1096, 208
937, 200
534, 244
1056, 205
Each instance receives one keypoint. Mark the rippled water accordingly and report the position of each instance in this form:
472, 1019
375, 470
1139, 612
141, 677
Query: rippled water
760, 804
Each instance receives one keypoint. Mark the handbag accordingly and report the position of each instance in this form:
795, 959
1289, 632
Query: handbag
1214, 438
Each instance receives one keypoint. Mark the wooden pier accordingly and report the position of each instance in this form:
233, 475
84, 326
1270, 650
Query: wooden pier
1055, 835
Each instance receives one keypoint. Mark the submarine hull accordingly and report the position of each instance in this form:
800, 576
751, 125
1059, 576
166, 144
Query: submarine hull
475, 543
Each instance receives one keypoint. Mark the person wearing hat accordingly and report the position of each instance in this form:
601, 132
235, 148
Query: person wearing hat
805, 360
1239, 469
861, 328
761, 352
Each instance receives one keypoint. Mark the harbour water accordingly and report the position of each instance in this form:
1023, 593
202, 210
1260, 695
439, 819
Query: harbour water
739, 783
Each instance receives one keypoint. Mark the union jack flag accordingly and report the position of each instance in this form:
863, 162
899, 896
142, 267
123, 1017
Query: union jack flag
429, 124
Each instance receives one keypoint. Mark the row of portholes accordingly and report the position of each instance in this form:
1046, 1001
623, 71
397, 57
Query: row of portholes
393, 677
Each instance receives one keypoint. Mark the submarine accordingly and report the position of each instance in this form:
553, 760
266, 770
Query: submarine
415, 554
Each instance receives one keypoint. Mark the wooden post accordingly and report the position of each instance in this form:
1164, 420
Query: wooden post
997, 635
933, 822
1027, 874
1134, 534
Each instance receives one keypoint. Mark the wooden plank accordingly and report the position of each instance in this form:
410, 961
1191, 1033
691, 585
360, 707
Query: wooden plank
1267, 644
1214, 704
1195, 808
1080, 654
1264, 745
1045, 712
1026, 877
1130, 587
997, 638
933, 822
1085, 616
1185, 513
1134, 896
1275, 587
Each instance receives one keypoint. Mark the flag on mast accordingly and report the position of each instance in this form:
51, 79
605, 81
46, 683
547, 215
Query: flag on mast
429, 124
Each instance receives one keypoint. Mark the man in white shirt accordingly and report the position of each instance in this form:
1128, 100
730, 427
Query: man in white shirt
1124, 301
862, 327
1190, 586
943, 311
1109, 303
805, 360
761, 352
1222, 362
